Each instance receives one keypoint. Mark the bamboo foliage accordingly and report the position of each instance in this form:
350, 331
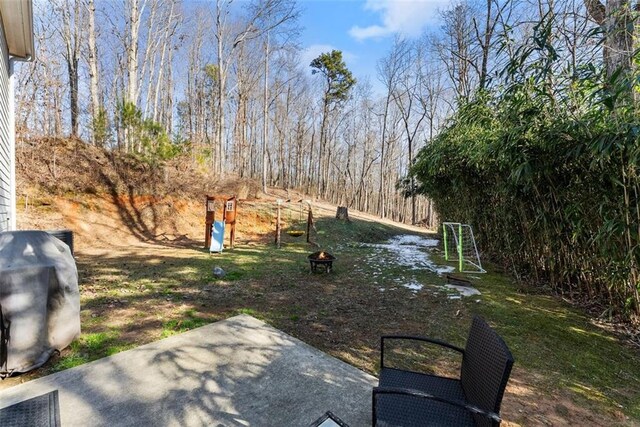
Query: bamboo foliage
547, 173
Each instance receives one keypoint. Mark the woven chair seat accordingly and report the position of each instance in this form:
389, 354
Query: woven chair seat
396, 410
406, 398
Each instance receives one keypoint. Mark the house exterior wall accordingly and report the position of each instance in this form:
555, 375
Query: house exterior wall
6, 139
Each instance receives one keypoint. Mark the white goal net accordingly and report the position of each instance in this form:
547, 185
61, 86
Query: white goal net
460, 245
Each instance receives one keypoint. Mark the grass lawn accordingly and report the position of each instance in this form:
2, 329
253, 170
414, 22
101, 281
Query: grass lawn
567, 370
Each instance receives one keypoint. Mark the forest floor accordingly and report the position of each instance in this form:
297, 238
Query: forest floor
144, 275
134, 290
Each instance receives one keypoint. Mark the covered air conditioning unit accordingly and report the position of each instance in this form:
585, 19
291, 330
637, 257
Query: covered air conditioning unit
39, 299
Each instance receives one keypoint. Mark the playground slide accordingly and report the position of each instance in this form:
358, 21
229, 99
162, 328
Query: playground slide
217, 237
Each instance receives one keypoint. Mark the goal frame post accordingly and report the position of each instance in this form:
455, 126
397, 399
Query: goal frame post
457, 231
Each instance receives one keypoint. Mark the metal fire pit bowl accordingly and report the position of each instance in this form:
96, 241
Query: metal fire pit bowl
321, 262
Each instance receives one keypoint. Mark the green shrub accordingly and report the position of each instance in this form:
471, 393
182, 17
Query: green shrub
547, 174
146, 138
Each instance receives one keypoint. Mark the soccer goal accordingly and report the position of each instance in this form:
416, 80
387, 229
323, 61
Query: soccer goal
460, 245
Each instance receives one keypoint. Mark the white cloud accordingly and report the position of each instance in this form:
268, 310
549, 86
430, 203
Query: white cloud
407, 17
312, 52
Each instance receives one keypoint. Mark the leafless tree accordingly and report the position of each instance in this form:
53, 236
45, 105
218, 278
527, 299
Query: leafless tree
71, 33
261, 17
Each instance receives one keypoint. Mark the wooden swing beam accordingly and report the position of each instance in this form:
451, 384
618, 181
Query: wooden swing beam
278, 236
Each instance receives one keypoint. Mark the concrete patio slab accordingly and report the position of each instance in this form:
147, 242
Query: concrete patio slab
237, 372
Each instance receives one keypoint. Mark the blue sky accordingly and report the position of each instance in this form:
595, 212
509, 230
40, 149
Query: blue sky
363, 29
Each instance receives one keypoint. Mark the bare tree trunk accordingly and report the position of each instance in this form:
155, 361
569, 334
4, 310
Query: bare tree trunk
221, 88
381, 188
93, 68
265, 113
148, 57
72, 38
131, 49
168, 110
170, 29
617, 19
155, 112
484, 40
135, 10
618, 50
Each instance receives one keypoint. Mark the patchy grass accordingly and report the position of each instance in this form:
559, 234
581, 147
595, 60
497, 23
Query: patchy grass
70, 361
247, 311
90, 346
189, 320
567, 370
553, 338
115, 349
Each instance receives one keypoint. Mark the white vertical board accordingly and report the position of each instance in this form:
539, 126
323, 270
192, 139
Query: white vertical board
6, 139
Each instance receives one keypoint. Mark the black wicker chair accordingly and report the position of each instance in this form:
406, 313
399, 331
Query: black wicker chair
407, 398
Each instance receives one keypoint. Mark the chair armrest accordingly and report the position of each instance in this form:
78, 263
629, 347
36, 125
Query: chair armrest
495, 418
413, 338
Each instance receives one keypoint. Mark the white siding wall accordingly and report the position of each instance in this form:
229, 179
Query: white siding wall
5, 144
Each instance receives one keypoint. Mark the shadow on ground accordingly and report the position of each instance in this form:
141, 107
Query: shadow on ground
234, 373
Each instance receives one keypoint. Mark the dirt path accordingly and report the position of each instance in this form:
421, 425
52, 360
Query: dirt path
329, 210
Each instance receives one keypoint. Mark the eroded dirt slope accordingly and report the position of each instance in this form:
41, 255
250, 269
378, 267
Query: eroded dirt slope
111, 200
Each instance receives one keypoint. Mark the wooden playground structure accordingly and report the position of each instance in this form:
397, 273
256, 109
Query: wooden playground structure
300, 219
229, 216
293, 218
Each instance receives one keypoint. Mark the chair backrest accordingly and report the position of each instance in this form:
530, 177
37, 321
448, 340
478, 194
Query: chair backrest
486, 367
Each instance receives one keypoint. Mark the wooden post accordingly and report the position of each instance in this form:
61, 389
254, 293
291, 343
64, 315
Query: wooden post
230, 216
278, 225
232, 234
210, 217
309, 223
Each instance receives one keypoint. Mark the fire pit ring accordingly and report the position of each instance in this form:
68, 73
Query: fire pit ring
321, 261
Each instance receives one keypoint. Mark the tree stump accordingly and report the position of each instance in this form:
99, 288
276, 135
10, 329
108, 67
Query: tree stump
342, 213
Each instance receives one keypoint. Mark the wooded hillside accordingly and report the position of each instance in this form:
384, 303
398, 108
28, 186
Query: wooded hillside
226, 84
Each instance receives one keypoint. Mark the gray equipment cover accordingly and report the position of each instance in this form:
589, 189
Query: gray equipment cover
39, 299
